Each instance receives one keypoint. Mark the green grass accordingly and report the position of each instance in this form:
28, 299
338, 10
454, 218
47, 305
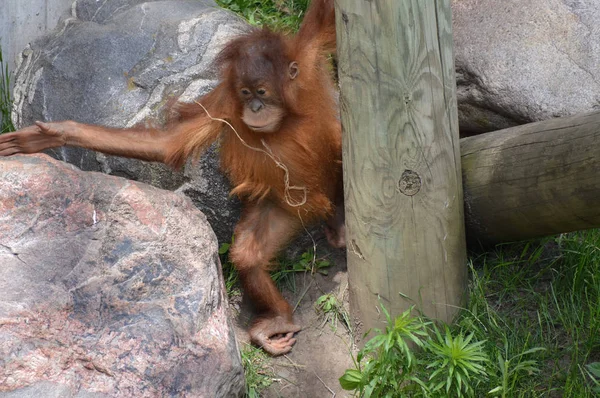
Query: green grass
545, 295
534, 314
257, 371
280, 15
6, 124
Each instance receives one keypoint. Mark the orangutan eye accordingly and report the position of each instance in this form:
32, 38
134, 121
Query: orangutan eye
245, 91
261, 91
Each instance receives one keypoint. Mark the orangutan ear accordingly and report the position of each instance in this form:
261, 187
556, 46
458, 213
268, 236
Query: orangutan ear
293, 70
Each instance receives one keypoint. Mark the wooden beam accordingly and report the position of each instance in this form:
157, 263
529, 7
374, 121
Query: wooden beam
402, 178
533, 180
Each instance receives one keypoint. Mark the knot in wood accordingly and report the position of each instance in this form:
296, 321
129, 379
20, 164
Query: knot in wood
410, 183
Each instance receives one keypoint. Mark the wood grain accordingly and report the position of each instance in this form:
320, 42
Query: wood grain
402, 178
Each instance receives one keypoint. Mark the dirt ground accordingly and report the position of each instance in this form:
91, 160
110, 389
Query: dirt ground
321, 353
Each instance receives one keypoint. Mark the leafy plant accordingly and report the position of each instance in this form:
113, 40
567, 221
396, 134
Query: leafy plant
389, 368
333, 311
512, 368
308, 262
458, 364
412, 358
6, 124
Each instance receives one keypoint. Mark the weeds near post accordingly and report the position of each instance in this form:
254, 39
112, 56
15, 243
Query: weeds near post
414, 358
457, 365
333, 312
387, 365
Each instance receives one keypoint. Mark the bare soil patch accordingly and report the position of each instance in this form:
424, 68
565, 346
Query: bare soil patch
322, 352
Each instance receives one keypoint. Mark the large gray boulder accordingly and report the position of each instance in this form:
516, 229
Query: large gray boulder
117, 63
108, 288
523, 61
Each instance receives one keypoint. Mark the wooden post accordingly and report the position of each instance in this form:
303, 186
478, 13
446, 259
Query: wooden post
533, 180
402, 176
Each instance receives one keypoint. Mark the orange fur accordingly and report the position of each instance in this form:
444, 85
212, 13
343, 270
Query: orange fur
309, 140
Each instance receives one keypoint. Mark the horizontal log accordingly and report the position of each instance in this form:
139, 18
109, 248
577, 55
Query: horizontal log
532, 180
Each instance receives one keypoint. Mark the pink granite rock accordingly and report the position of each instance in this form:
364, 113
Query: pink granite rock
108, 288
